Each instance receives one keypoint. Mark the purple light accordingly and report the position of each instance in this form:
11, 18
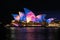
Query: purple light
16, 16
30, 16
50, 20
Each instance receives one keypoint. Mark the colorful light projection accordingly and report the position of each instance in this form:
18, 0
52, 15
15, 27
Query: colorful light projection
30, 16
49, 20
16, 17
36, 20
22, 16
41, 17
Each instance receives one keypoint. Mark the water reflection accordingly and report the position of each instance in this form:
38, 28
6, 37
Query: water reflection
31, 33
34, 33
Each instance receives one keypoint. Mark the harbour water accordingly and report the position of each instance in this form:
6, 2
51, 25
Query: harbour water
34, 33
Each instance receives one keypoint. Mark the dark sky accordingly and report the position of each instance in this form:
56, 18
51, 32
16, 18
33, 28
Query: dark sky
51, 8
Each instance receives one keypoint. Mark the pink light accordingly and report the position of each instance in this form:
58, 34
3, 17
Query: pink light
30, 17
21, 14
17, 17
16, 24
39, 16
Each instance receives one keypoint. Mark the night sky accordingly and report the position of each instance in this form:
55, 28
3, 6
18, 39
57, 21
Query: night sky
51, 8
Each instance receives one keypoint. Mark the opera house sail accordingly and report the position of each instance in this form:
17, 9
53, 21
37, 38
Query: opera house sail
29, 18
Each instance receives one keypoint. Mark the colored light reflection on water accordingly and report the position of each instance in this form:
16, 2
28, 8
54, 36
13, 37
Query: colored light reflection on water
34, 33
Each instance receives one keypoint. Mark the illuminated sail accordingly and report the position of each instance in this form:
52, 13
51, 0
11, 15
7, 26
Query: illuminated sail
49, 20
30, 16
16, 16
37, 20
41, 17
22, 16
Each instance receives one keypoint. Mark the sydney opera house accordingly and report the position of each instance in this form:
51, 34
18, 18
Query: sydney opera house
27, 26
28, 18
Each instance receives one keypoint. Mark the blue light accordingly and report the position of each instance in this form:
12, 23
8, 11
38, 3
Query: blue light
42, 18
23, 18
48, 21
14, 16
37, 20
26, 10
